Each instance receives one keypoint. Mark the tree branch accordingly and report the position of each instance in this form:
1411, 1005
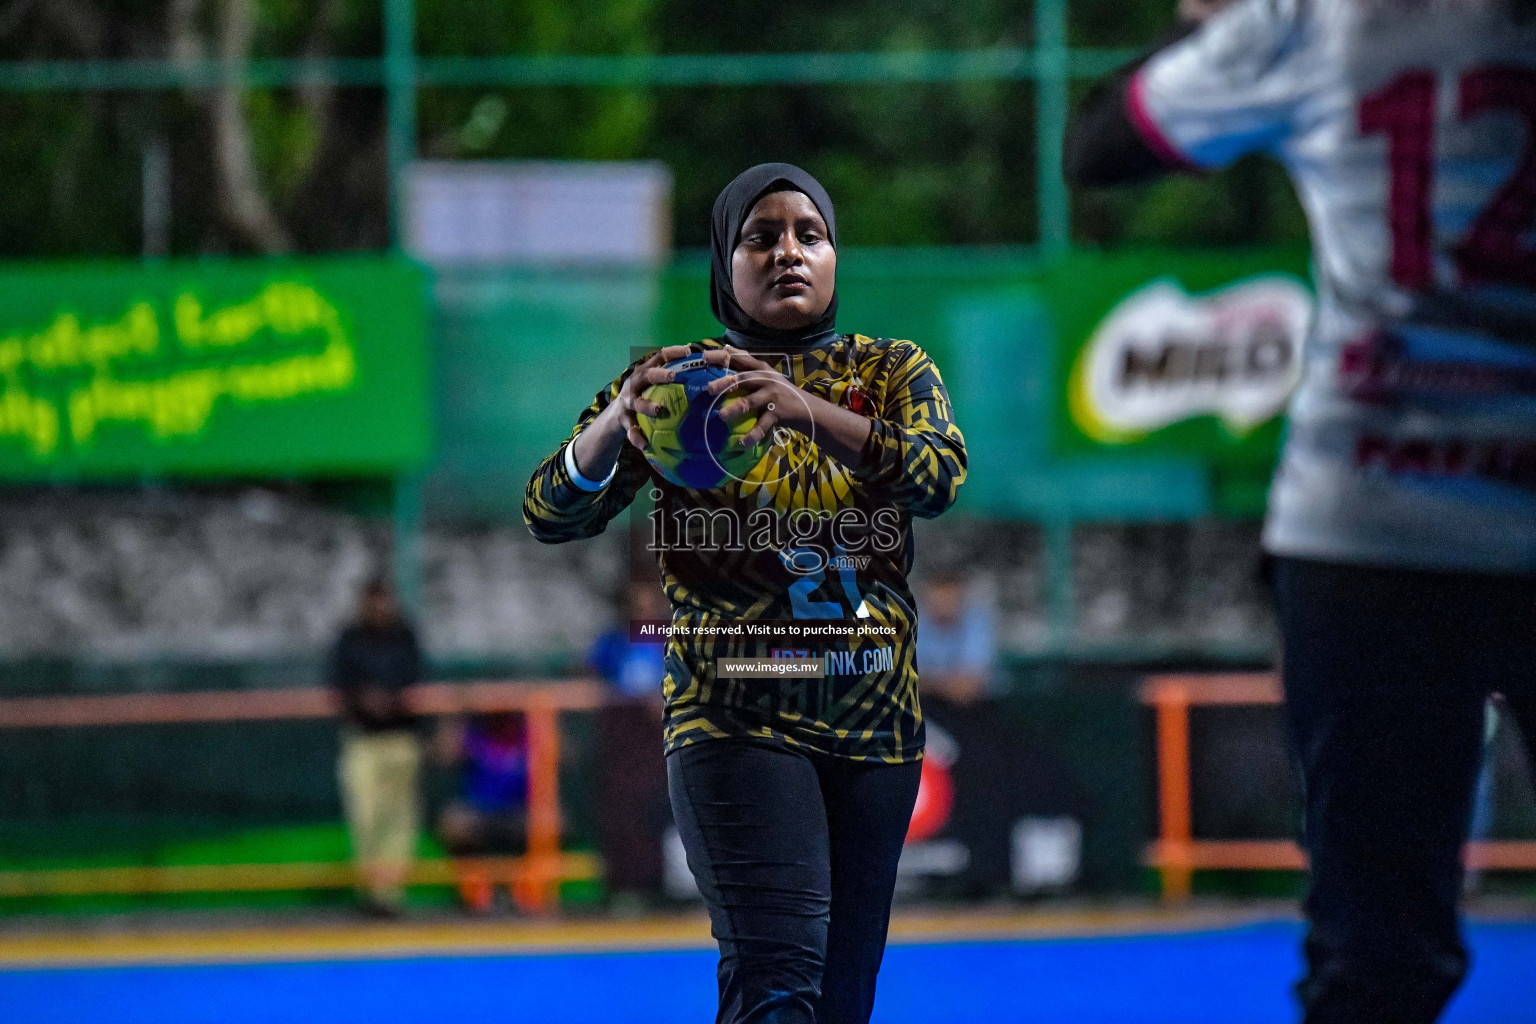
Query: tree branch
242, 203
318, 99
184, 43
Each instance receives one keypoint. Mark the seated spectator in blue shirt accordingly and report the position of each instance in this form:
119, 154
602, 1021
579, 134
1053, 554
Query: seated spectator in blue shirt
633, 669
956, 640
490, 813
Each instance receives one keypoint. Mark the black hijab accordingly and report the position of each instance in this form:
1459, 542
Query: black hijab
731, 211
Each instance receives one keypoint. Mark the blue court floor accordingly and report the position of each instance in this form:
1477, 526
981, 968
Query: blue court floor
1231, 975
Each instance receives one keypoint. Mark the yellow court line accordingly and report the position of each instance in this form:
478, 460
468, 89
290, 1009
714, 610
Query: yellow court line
362, 940
967, 926
259, 877
369, 941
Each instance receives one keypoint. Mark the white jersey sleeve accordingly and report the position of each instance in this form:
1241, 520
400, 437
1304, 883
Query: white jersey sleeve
1231, 88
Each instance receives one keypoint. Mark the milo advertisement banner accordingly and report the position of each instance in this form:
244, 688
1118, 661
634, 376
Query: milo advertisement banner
1183, 353
237, 368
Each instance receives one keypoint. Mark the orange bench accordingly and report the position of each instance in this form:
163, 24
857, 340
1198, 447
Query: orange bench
534, 878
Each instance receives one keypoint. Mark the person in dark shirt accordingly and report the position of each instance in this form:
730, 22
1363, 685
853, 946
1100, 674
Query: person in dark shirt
374, 661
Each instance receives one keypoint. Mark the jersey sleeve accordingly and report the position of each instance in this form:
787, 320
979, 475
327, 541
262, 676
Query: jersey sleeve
915, 455
1230, 89
556, 509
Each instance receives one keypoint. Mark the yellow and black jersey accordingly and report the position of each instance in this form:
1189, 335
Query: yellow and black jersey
800, 536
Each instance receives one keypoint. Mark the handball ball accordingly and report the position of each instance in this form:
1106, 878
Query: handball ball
690, 445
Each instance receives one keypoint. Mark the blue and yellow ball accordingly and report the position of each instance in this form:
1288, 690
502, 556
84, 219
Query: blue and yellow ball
690, 445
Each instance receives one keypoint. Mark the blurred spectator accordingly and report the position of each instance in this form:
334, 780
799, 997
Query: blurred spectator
633, 669
373, 663
631, 783
490, 812
956, 640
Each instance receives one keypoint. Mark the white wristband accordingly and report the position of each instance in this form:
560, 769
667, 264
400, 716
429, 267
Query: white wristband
575, 474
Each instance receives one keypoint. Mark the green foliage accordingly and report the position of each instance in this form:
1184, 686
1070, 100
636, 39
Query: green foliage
906, 164
909, 164
1251, 202
68, 190
551, 124
285, 140
497, 27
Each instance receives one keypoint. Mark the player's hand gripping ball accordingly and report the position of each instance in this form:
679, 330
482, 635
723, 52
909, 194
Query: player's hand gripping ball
688, 443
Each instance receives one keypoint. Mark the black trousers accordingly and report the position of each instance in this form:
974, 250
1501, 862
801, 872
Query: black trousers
1386, 674
796, 855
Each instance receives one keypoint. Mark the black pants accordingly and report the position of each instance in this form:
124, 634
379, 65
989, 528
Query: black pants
1386, 674
796, 856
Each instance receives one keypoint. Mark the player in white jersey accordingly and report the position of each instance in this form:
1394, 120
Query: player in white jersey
1403, 518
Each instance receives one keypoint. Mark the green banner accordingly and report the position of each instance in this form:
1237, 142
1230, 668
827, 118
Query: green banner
213, 369
1178, 353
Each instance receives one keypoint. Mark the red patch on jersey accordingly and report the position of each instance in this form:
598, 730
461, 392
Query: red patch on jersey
855, 400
